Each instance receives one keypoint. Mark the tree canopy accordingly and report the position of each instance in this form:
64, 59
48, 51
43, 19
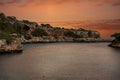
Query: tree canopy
39, 32
116, 36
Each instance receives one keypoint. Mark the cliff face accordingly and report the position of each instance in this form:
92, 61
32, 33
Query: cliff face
58, 34
12, 29
13, 32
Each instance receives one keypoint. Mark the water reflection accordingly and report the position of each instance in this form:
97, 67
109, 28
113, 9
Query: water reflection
116, 50
116, 56
62, 61
10, 54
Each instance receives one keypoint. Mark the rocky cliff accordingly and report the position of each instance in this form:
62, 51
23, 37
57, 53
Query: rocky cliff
10, 48
13, 30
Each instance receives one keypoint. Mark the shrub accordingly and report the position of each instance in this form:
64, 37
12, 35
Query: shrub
69, 34
2, 17
39, 32
116, 36
72, 34
6, 27
27, 36
7, 37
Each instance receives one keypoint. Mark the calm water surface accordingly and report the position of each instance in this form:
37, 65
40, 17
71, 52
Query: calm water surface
62, 61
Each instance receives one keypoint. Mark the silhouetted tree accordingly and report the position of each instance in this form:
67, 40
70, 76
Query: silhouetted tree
89, 33
11, 18
116, 36
2, 17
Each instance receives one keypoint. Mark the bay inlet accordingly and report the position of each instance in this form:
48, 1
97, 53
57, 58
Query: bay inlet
62, 61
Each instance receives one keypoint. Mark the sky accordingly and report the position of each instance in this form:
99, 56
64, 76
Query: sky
65, 10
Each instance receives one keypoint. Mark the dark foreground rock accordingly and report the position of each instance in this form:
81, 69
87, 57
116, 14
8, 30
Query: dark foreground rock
114, 45
116, 42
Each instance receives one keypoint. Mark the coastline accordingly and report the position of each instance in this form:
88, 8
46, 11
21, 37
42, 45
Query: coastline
31, 32
78, 40
65, 42
11, 51
45, 42
114, 46
17, 47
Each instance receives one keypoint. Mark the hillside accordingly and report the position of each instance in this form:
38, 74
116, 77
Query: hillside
11, 29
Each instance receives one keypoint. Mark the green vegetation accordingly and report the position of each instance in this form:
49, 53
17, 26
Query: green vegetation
6, 27
18, 28
117, 38
27, 36
69, 34
10, 25
72, 34
27, 29
7, 37
2, 17
11, 18
90, 34
39, 32
46, 25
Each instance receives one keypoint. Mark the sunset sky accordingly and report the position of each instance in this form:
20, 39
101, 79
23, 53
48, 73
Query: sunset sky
66, 10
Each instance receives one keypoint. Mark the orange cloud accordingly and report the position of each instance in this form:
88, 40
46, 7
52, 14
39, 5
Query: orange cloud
40, 2
67, 10
5, 2
105, 27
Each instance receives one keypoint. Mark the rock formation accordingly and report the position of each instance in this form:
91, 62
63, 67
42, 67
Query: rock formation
116, 42
24, 31
10, 48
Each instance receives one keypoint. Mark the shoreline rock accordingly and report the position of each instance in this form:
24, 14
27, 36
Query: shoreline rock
14, 32
85, 40
114, 46
116, 42
66, 42
14, 47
